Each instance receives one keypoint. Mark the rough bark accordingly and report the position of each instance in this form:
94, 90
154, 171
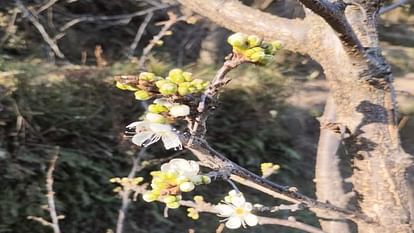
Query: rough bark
360, 79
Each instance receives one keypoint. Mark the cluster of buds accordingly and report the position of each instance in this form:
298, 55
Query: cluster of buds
269, 169
175, 177
127, 185
253, 48
177, 83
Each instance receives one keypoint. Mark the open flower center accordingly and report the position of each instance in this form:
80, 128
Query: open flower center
239, 211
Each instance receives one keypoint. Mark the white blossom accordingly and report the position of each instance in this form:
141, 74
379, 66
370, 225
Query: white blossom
148, 133
237, 211
183, 167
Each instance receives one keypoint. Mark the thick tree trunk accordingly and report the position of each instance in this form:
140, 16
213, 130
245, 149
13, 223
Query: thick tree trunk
366, 106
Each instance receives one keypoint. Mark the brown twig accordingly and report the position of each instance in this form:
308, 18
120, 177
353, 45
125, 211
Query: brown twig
51, 194
391, 7
139, 34
209, 208
136, 167
46, 6
40, 29
173, 19
198, 129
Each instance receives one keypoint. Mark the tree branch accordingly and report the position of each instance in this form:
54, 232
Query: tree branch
40, 29
237, 17
329, 181
209, 208
125, 195
51, 194
393, 6
139, 34
210, 158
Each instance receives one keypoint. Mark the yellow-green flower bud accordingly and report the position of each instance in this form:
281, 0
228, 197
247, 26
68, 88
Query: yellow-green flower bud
177, 79
206, 179
249, 52
147, 76
188, 76
173, 205
277, 45
121, 86
266, 59
175, 72
169, 199
238, 40
183, 88
155, 118
257, 56
168, 88
157, 108
187, 187
197, 180
198, 198
253, 41
267, 48
142, 95
193, 213
176, 76
179, 110
161, 82
149, 196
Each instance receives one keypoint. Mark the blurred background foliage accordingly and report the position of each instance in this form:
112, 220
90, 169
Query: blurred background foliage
266, 114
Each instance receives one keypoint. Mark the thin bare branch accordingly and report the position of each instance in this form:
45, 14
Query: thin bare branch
173, 19
393, 6
80, 19
40, 29
139, 34
51, 194
46, 6
126, 194
289, 223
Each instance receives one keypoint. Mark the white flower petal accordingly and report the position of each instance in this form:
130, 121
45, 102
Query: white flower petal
163, 101
251, 219
137, 124
233, 193
171, 140
165, 167
247, 206
141, 137
160, 128
225, 210
179, 110
233, 222
238, 201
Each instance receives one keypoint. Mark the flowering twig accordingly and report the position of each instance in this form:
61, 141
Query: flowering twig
209, 208
210, 158
198, 128
136, 167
